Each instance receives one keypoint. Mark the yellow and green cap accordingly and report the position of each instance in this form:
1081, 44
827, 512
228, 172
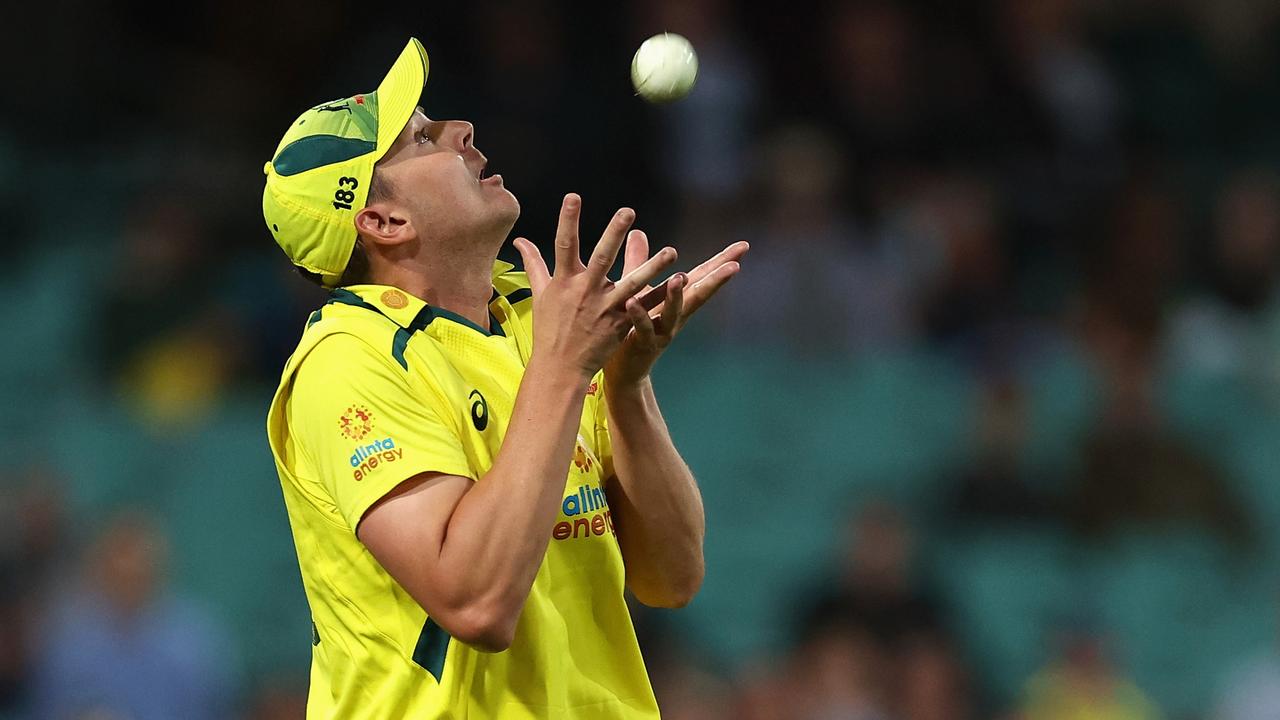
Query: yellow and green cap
320, 174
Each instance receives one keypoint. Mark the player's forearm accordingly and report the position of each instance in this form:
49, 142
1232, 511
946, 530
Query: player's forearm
498, 534
656, 504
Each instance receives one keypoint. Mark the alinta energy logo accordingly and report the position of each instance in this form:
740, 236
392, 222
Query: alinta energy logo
588, 513
356, 423
368, 458
587, 509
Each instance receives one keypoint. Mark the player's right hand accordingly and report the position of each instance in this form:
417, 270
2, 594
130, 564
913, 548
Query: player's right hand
581, 315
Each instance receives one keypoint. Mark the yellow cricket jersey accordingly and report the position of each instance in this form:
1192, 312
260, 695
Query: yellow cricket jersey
383, 387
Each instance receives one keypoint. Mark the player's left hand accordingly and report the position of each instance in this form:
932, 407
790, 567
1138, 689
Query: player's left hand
658, 314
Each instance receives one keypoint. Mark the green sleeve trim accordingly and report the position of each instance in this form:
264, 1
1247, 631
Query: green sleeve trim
420, 321
518, 295
401, 339
398, 344
346, 297
433, 645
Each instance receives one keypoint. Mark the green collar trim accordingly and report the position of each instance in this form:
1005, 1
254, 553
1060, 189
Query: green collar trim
493, 321
420, 321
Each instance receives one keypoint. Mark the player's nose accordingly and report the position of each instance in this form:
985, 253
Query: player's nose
460, 134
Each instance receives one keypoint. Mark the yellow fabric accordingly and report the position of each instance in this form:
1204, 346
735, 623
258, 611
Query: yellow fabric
348, 424
1052, 695
311, 212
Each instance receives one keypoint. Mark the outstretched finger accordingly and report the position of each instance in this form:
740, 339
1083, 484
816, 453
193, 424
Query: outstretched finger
631, 283
567, 259
534, 266
671, 317
637, 251
731, 253
701, 291
655, 297
607, 249
643, 324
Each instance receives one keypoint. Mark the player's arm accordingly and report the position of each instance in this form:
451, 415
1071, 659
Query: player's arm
469, 552
655, 500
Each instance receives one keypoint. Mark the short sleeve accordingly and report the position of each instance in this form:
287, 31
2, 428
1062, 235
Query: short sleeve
364, 427
604, 444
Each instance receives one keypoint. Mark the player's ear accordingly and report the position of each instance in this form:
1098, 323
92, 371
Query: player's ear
384, 224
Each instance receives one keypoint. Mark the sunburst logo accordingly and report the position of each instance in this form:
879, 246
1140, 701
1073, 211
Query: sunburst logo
581, 458
356, 422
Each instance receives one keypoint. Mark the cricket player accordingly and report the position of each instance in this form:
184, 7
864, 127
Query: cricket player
472, 458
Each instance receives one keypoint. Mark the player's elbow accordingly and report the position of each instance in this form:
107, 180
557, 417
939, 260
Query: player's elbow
681, 593
673, 592
485, 628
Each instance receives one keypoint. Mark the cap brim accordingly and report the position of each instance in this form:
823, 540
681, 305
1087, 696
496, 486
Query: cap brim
399, 92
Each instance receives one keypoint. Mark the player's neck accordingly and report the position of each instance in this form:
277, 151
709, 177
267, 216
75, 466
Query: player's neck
459, 285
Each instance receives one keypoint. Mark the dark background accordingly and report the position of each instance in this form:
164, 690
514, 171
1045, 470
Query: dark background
987, 426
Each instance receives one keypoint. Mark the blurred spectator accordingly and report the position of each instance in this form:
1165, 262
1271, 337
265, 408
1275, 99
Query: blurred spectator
1252, 689
877, 588
678, 668
32, 558
161, 335
1239, 31
877, 87
1083, 683
1132, 264
1233, 329
160, 277
1051, 56
996, 486
932, 683
964, 305
838, 672
819, 283
1136, 471
121, 646
764, 692
281, 699
686, 691
15, 660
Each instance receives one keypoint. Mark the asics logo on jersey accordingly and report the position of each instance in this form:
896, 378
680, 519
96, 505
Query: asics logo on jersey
479, 410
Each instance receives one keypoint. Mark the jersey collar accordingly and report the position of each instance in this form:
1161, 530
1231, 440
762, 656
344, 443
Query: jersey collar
407, 311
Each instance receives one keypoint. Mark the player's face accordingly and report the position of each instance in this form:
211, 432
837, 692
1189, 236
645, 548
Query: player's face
439, 177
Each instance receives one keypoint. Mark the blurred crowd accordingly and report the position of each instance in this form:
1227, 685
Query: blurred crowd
998, 184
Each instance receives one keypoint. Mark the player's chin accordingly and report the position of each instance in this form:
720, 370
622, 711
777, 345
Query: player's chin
499, 197
503, 208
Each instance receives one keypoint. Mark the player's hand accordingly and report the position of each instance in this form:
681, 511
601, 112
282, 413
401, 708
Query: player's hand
658, 314
581, 316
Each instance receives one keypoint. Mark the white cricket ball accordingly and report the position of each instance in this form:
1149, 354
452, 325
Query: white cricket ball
664, 68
